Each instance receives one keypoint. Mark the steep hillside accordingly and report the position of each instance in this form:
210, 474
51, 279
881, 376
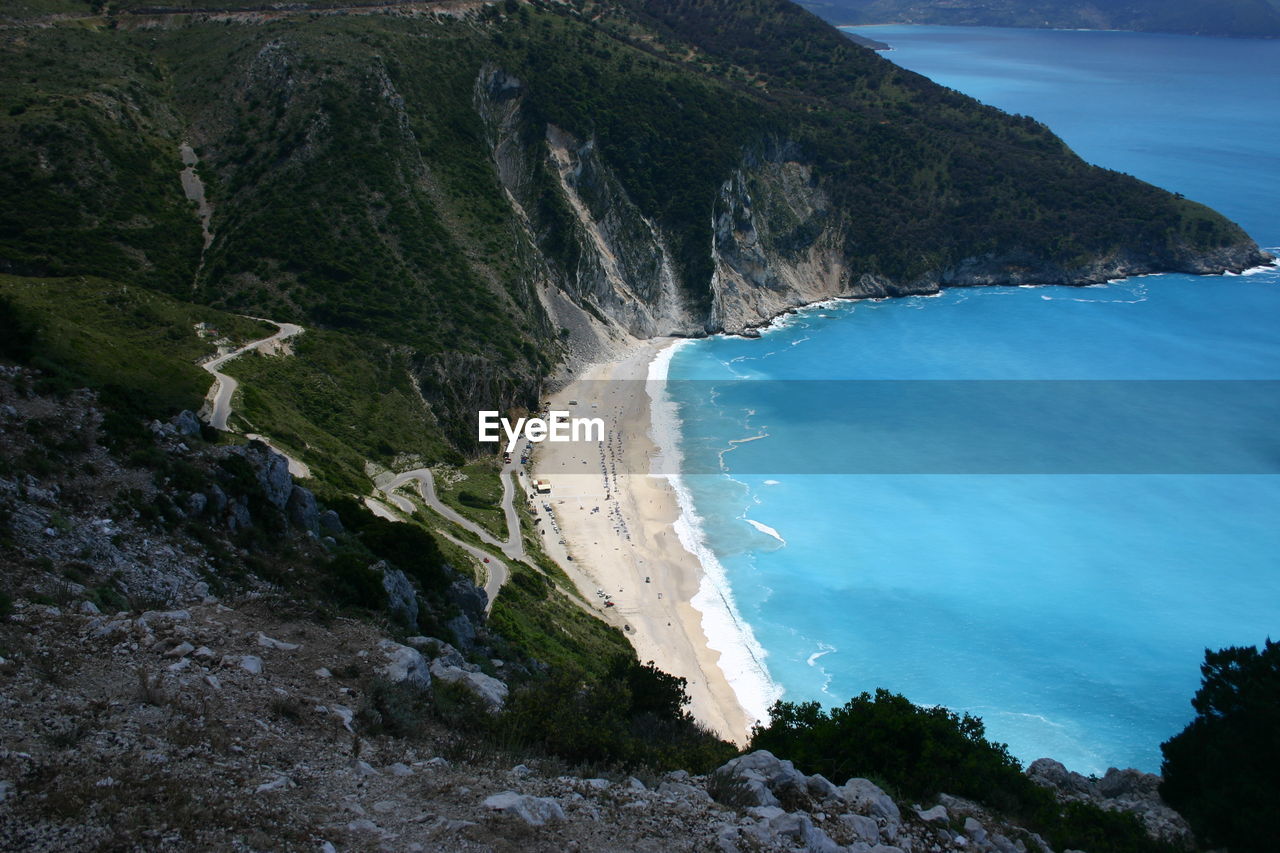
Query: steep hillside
1244, 18
470, 194
459, 199
457, 202
194, 654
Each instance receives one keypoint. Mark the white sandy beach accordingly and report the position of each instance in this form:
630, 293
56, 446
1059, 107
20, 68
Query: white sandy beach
650, 576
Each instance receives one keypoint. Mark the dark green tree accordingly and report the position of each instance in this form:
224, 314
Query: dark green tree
1222, 771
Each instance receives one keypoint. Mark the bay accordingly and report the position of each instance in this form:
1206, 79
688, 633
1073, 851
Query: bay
1069, 610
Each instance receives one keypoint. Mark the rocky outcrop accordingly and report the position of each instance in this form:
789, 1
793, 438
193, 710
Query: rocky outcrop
783, 809
402, 598
272, 472
624, 271
777, 243
405, 665
488, 689
778, 240
1118, 790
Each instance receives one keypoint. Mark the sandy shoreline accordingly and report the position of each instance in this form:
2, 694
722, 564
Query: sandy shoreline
657, 613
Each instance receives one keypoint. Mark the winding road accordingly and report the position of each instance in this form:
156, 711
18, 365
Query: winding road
224, 386
496, 573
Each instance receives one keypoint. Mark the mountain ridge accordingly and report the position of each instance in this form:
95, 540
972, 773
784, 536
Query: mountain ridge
1237, 18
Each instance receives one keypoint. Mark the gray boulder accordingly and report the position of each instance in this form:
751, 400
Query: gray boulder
757, 779
535, 811
405, 665
684, 792
469, 598
330, 522
1129, 783
1052, 774
491, 690
272, 470
217, 499
302, 511
186, 423
862, 828
439, 650
798, 829
743, 788
937, 814
1001, 844
402, 598
251, 664
782, 830
865, 797
464, 633
820, 787
277, 483
195, 503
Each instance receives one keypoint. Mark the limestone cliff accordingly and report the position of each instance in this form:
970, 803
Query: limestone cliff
779, 241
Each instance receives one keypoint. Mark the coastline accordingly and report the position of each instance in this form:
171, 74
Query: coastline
683, 618
658, 615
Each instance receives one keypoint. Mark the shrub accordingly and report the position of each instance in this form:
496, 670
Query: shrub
17, 333
633, 718
353, 583
921, 752
474, 501
393, 709
1220, 771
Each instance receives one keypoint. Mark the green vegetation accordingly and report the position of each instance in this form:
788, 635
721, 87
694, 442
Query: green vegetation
632, 716
338, 401
536, 615
918, 165
355, 190
137, 347
1220, 772
921, 752
1255, 18
476, 494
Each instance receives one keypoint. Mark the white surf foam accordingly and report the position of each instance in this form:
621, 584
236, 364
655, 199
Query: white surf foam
765, 529
823, 651
742, 658
1271, 267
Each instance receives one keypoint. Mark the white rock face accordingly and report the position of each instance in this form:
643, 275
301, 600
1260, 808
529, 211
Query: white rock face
268, 643
535, 811
865, 796
405, 665
488, 688
251, 664
937, 814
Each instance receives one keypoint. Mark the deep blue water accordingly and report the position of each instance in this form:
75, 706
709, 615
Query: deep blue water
1070, 610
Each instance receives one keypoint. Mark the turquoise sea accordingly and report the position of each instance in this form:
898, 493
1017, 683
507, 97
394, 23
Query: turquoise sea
1050, 589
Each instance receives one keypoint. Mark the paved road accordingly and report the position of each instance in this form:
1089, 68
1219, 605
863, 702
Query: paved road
513, 547
508, 498
495, 571
224, 386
